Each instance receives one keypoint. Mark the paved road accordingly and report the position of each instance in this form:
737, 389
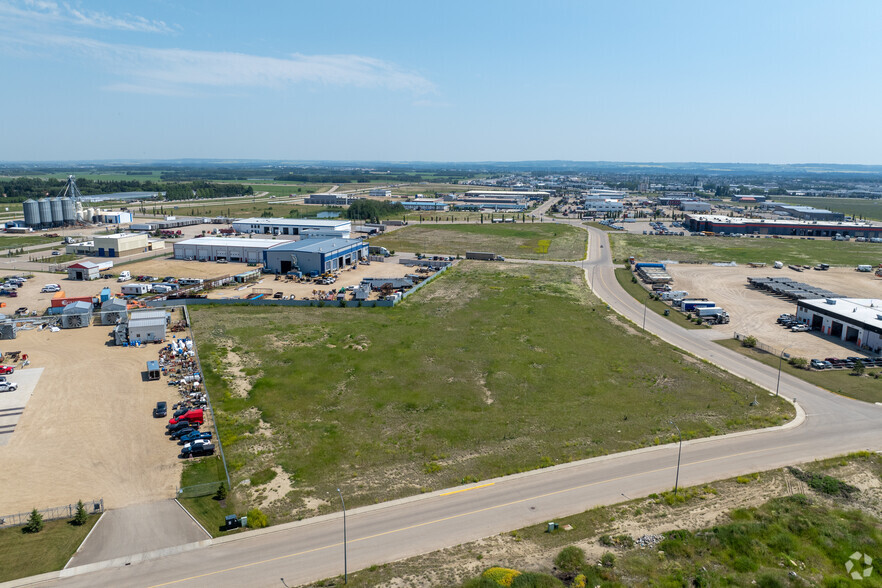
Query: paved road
310, 550
137, 529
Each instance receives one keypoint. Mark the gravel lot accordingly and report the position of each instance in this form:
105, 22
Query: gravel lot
87, 430
754, 312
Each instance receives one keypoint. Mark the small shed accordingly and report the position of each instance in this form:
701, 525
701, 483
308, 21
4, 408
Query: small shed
147, 326
153, 371
76, 314
87, 270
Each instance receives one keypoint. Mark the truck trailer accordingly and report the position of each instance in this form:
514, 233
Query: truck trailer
689, 305
483, 255
705, 311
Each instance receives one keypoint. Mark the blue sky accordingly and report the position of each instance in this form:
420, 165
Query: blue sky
777, 82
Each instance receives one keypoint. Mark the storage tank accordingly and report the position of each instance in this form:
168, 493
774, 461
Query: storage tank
45, 212
31, 213
57, 211
68, 210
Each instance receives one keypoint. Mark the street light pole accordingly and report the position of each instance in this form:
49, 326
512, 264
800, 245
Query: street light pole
679, 453
780, 361
345, 563
644, 315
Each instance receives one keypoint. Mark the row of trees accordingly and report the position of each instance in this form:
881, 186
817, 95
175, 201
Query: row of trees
35, 521
20, 189
373, 210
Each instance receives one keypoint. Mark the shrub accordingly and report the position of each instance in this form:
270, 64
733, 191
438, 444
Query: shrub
534, 580
606, 541
580, 581
502, 576
858, 368
80, 517
35, 523
798, 362
256, 519
749, 341
608, 560
570, 559
221, 493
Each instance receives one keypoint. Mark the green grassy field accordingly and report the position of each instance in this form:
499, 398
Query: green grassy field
493, 369
856, 207
244, 208
866, 387
26, 554
742, 251
209, 512
517, 240
14, 241
623, 276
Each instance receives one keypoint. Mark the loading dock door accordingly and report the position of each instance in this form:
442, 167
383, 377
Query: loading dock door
836, 329
285, 266
851, 334
817, 322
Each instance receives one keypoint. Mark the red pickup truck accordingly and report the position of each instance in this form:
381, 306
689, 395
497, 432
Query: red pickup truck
191, 416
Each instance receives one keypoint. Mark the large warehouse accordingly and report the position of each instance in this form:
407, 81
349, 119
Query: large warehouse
294, 227
314, 255
758, 226
224, 248
854, 320
118, 245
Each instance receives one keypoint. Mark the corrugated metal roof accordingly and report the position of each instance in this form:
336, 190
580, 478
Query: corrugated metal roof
78, 307
149, 314
294, 222
232, 242
319, 245
146, 323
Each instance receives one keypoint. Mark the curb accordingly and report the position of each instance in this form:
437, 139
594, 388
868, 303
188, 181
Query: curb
191, 517
83, 542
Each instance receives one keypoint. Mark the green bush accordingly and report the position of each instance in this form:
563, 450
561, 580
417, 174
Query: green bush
221, 493
608, 560
256, 519
535, 580
749, 341
570, 559
606, 541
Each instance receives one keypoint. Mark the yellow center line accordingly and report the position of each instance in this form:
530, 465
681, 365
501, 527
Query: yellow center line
470, 513
466, 489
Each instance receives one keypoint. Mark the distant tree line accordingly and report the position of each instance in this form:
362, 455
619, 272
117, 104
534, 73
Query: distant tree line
373, 210
20, 189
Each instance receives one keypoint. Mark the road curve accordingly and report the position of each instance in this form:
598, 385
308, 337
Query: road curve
310, 550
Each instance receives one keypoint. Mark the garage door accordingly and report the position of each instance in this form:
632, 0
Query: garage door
203, 253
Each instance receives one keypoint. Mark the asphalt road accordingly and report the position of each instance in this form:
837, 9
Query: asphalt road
313, 549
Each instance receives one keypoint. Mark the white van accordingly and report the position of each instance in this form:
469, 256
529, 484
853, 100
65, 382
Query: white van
124, 276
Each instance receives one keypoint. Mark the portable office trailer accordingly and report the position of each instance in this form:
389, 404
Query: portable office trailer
153, 371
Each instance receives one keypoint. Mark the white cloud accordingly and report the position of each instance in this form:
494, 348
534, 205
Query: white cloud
47, 12
186, 72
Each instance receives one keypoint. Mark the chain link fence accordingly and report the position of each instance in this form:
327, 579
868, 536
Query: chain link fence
49, 514
206, 489
761, 346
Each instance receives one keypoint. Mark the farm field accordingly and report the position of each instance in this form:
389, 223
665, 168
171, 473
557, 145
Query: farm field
743, 251
517, 240
493, 369
856, 207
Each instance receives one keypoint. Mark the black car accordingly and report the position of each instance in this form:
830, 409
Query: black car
160, 410
181, 432
180, 425
197, 450
180, 411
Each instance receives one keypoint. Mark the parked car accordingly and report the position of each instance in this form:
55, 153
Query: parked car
192, 415
818, 364
194, 436
854, 359
800, 328
8, 386
160, 410
179, 425
6, 369
51, 288
194, 451
181, 432
196, 443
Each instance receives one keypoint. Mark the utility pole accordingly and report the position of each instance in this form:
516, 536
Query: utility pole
679, 452
345, 563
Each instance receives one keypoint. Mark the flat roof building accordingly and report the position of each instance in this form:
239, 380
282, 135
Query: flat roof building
314, 256
235, 249
294, 227
330, 199
517, 195
758, 226
809, 212
854, 320
426, 204
380, 193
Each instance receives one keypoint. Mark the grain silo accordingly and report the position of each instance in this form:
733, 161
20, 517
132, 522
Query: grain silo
31, 213
57, 212
68, 211
45, 212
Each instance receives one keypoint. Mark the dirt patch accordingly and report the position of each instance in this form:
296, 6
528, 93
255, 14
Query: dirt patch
238, 383
274, 490
614, 319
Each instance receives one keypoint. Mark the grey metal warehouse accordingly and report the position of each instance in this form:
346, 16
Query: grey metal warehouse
227, 248
147, 326
854, 320
314, 255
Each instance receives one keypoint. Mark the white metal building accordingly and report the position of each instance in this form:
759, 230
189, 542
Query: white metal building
147, 326
380, 193
224, 248
294, 227
854, 320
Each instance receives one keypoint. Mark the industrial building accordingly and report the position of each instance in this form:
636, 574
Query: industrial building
170, 222
436, 204
314, 256
330, 199
87, 270
756, 226
854, 320
695, 206
76, 314
603, 205
146, 326
808, 213
380, 193
294, 227
118, 245
514, 195
224, 248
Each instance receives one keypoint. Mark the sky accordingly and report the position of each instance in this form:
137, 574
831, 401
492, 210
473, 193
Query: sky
745, 82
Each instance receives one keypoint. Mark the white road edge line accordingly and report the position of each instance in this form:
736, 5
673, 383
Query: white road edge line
204, 530
89, 534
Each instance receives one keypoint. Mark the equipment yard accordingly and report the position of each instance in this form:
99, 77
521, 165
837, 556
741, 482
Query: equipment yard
87, 431
753, 312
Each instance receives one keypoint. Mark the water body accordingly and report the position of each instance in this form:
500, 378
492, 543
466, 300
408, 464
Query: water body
327, 215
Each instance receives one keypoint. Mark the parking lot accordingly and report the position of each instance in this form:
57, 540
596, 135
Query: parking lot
753, 312
87, 429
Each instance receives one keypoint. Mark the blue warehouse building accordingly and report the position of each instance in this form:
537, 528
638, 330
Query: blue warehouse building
317, 255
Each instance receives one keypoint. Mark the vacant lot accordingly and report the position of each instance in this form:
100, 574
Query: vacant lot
520, 241
712, 249
493, 369
856, 207
29, 554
